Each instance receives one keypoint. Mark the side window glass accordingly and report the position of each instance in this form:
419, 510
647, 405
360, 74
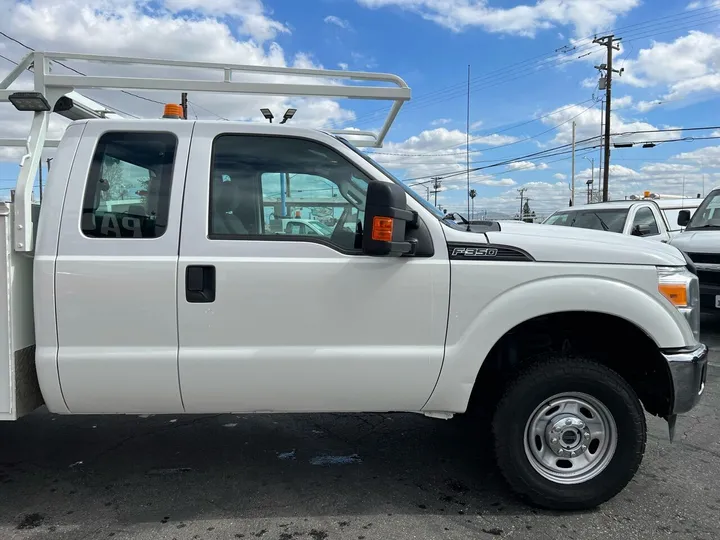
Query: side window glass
128, 190
644, 223
299, 190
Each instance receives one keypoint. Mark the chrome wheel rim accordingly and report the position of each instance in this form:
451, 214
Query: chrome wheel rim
570, 438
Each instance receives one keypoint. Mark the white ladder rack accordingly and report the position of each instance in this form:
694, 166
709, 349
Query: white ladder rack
53, 86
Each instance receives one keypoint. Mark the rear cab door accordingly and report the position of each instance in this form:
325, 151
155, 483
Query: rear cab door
271, 319
116, 271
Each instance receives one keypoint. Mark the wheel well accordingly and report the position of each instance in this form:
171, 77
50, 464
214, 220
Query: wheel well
613, 341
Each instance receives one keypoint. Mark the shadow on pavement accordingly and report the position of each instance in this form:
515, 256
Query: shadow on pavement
171, 469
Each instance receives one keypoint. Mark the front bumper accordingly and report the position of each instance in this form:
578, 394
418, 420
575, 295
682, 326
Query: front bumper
688, 369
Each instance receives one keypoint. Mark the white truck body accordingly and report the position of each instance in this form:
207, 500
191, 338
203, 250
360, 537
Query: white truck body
654, 219
701, 242
188, 303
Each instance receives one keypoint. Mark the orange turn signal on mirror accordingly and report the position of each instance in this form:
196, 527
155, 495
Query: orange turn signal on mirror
382, 229
675, 292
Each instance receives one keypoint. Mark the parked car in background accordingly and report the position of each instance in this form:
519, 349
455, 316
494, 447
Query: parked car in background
701, 242
656, 219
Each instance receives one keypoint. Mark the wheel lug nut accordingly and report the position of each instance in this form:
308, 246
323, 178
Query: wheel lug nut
568, 422
584, 447
561, 451
581, 425
587, 435
554, 440
572, 453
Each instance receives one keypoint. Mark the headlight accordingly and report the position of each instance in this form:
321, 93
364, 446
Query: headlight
683, 290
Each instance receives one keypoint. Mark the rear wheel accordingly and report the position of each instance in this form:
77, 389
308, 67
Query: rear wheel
569, 433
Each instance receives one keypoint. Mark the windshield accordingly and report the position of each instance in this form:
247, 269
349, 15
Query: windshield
436, 212
612, 220
707, 216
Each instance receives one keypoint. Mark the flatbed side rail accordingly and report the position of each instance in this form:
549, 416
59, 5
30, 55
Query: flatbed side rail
54, 86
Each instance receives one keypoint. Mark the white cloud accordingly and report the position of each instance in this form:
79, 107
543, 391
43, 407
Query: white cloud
433, 150
343, 66
501, 182
337, 21
493, 140
587, 123
708, 156
253, 15
526, 166
585, 16
622, 102
117, 27
476, 124
441, 121
645, 106
560, 176
688, 65
664, 168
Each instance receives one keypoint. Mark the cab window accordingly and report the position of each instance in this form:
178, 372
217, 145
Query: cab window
128, 189
282, 188
644, 223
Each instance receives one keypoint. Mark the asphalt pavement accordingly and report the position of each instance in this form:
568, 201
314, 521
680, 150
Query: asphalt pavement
317, 477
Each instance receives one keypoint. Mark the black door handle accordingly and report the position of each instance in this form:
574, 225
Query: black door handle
200, 284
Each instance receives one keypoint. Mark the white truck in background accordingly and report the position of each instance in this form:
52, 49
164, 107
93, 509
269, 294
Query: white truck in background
651, 218
176, 304
701, 242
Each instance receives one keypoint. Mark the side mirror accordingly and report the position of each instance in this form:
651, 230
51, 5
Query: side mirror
386, 220
683, 218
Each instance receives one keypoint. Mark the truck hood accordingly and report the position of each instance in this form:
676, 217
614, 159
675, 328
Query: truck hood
553, 243
706, 241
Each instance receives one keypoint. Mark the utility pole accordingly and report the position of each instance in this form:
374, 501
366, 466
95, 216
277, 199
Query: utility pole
572, 189
522, 196
608, 42
436, 186
184, 104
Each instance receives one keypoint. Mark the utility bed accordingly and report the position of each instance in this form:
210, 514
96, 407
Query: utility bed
19, 390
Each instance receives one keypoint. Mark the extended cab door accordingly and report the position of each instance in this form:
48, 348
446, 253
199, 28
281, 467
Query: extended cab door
116, 272
274, 320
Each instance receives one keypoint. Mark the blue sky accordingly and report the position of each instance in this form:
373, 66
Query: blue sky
520, 74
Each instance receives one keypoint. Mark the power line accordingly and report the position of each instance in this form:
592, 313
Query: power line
77, 71
563, 149
507, 73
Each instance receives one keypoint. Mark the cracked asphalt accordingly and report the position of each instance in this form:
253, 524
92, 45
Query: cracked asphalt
317, 477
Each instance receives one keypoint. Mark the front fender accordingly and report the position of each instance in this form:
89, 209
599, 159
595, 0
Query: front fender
475, 325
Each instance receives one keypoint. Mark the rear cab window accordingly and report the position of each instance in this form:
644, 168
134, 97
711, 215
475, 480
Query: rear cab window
608, 219
127, 194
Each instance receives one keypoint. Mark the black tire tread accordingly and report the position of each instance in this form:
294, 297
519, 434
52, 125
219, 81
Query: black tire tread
546, 370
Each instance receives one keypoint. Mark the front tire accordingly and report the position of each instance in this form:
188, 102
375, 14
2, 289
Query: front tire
569, 434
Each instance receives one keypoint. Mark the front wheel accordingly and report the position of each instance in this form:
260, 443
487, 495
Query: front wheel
569, 434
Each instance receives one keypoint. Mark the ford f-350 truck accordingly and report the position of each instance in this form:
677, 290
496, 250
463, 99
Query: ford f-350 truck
151, 281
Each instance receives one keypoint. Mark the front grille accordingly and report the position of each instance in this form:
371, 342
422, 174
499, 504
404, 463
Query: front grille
705, 258
709, 278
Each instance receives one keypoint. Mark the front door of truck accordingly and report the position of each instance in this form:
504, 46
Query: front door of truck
115, 273
271, 319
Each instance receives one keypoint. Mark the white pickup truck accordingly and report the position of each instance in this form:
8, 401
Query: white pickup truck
654, 219
178, 303
701, 242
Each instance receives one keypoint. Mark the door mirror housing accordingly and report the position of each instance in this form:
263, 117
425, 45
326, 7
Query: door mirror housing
683, 218
386, 220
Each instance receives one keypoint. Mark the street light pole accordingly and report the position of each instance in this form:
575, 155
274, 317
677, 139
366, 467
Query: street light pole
592, 172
